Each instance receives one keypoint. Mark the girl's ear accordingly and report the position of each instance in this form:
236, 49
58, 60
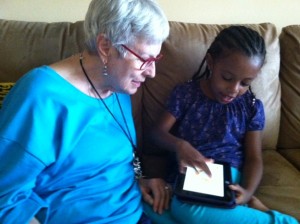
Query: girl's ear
209, 61
103, 47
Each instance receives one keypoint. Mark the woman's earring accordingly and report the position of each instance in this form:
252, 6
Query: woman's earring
104, 71
208, 73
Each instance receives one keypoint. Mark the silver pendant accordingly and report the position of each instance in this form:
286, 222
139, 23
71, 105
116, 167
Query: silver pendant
137, 167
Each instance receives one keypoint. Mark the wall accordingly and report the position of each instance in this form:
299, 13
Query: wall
279, 12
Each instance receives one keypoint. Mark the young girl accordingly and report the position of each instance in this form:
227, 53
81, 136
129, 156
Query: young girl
216, 117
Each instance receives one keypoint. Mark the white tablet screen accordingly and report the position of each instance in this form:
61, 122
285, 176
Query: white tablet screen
202, 183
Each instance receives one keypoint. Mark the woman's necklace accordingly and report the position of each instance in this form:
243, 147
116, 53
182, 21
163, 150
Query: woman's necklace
136, 161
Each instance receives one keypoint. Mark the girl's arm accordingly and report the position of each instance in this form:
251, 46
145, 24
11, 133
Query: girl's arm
253, 165
153, 190
186, 154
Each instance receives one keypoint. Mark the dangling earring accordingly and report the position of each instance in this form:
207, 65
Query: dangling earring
104, 71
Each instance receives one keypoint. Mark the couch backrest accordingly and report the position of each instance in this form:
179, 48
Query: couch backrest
25, 45
184, 50
290, 82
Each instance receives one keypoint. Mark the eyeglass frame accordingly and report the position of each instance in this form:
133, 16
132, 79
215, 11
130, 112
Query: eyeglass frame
146, 62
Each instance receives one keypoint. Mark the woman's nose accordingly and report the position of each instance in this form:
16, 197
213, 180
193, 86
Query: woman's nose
149, 72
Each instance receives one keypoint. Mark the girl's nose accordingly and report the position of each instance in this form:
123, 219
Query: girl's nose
234, 88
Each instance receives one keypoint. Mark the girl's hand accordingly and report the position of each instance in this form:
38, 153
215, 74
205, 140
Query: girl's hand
157, 193
242, 195
187, 155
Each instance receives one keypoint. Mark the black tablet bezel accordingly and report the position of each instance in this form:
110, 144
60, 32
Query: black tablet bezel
227, 201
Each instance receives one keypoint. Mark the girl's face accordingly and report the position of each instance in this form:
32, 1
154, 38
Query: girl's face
231, 76
125, 74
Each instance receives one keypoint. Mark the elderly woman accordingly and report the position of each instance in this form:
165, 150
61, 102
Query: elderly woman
61, 162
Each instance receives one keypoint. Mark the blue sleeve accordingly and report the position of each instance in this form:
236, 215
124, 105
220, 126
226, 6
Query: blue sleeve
18, 172
257, 121
23, 151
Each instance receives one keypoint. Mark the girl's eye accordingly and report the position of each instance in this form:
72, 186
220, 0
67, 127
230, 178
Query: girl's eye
245, 84
227, 78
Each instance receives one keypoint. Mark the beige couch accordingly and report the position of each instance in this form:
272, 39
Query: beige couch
24, 45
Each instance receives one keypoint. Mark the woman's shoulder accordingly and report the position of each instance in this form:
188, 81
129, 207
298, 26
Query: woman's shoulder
37, 78
42, 85
45, 80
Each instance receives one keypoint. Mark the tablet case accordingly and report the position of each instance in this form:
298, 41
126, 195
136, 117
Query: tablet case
228, 201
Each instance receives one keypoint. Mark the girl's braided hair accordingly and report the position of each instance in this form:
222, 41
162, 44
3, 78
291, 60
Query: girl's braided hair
234, 38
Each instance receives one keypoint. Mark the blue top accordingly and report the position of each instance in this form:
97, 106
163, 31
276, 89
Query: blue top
216, 130
63, 157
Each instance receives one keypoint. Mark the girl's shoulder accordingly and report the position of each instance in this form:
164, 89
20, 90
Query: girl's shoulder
250, 103
186, 87
250, 99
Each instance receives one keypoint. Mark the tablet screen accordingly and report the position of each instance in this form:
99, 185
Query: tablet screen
199, 188
201, 183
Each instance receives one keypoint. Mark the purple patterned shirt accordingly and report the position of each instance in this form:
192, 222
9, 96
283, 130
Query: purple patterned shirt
216, 130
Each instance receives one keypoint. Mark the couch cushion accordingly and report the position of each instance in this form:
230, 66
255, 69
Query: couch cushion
292, 155
280, 186
290, 84
184, 50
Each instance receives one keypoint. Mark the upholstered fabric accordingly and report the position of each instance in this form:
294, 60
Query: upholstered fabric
4, 89
280, 186
289, 140
290, 84
25, 45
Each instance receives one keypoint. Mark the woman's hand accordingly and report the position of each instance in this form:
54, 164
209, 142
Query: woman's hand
242, 195
157, 193
34, 221
187, 155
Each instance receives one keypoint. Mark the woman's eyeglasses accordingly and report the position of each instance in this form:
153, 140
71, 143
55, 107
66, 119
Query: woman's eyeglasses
146, 62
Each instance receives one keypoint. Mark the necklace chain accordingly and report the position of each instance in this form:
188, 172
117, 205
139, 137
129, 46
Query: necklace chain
136, 161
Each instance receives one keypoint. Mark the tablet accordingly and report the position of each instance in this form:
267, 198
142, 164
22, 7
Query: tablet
198, 188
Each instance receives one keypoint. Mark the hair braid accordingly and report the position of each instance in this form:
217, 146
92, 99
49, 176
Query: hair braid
234, 38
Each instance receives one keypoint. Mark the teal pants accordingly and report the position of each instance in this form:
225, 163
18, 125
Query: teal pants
184, 213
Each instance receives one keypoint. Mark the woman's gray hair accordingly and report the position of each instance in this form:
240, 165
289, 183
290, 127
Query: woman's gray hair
125, 21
